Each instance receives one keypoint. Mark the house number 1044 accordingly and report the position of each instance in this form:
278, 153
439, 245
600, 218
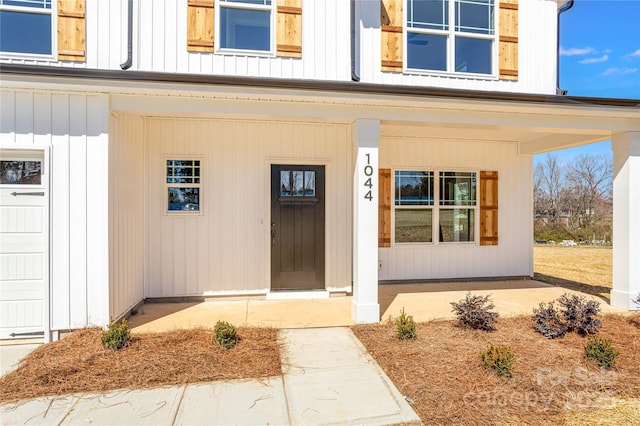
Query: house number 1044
368, 172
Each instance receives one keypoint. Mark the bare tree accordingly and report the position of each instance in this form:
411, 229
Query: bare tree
590, 177
549, 189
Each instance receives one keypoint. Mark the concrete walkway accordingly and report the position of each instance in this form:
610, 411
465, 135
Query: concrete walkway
327, 378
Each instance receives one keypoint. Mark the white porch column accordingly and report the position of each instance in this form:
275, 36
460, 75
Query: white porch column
626, 220
365, 308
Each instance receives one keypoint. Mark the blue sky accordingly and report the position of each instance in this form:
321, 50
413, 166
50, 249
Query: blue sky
600, 56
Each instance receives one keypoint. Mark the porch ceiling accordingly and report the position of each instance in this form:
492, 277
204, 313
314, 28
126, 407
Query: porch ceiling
531, 140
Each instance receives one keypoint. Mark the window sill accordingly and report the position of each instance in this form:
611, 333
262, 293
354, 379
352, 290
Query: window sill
452, 75
28, 56
248, 53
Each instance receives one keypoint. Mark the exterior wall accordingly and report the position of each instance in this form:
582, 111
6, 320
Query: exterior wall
126, 213
160, 43
513, 256
536, 44
225, 250
75, 126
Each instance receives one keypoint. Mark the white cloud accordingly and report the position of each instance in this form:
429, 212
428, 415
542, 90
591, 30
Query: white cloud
602, 58
611, 71
619, 71
633, 54
575, 51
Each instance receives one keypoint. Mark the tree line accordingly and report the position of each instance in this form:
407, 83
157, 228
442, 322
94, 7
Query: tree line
574, 200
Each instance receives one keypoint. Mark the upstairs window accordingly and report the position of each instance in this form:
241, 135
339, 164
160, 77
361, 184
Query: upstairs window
26, 27
245, 24
451, 35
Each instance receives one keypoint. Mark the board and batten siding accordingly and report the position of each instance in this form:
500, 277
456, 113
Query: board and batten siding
225, 249
75, 126
126, 212
513, 254
160, 43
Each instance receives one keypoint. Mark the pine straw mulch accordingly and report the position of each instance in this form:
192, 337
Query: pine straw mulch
79, 362
552, 383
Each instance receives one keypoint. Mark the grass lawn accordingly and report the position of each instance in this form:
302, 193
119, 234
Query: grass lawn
581, 268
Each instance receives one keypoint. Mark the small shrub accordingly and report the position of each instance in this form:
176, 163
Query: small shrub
117, 336
498, 358
548, 322
406, 326
602, 350
576, 313
579, 314
475, 312
225, 334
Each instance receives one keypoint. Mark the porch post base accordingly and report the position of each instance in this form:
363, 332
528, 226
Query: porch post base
624, 300
362, 313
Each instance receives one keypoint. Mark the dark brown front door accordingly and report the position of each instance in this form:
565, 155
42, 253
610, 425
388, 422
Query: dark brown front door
297, 227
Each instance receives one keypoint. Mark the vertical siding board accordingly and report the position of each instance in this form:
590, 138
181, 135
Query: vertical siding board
103, 41
42, 119
117, 31
78, 209
97, 209
7, 115
60, 213
159, 41
170, 44
24, 117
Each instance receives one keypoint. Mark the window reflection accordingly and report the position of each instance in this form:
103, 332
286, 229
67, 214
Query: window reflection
20, 172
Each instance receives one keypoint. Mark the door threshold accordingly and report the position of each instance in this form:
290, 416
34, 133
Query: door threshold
298, 295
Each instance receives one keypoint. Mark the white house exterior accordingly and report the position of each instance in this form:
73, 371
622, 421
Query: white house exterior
277, 148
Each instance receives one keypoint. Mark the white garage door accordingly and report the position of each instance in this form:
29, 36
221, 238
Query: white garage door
24, 242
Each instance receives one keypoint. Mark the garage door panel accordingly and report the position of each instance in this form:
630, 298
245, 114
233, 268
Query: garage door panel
24, 242
20, 317
18, 266
21, 219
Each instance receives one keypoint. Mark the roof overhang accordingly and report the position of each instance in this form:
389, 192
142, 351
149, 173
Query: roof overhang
538, 123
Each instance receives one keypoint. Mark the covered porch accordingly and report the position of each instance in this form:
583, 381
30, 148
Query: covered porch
425, 301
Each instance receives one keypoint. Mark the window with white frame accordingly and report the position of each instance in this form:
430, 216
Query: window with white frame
26, 27
455, 36
183, 185
245, 24
428, 209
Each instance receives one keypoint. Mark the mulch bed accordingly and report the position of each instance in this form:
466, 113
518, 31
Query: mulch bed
79, 362
552, 380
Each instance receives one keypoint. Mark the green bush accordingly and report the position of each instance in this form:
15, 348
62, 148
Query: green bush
225, 335
406, 326
117, 336
602, 350
475, 312
498, 358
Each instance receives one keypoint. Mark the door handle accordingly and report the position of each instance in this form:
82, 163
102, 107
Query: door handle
273, 234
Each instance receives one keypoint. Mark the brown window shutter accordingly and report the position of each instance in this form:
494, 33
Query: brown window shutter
391, 35
508, 39
200, 25
384, 208
488, 208
71, 30
289, 28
